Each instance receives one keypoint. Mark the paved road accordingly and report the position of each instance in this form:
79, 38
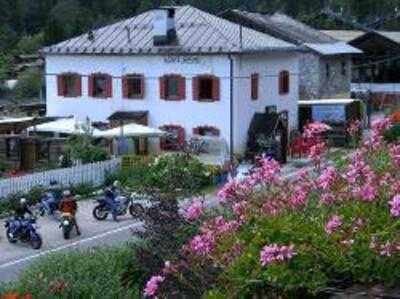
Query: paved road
16, 257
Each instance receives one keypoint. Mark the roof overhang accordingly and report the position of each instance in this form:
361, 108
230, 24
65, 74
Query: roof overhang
339, 48
327, 102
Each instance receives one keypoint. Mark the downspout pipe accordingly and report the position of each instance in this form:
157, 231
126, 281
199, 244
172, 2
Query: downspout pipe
231, 111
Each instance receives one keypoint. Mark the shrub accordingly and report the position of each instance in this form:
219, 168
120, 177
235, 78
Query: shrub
28, 85
293, 238
82, 189
93, 273
393, 134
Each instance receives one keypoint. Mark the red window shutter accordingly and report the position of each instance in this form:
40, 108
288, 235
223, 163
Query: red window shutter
254, 86
162, 88
182, 88
78, 85
195, 89
125, 94
162, 140
60, 85
215, 89
109, 87
181, 135
91, 86
283, 82
142, 86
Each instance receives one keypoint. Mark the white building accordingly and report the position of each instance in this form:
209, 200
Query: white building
179, 69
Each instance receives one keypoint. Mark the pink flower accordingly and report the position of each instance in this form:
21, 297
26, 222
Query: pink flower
152, 285
202, 244
327, 199
333, 224
315, 129
194, 211
299, 197
354, 127
316, 152
327, 178
368, 192
275, 253
395, 206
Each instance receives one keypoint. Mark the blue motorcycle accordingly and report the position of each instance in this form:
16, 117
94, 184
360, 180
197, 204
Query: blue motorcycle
23, 230
49, 203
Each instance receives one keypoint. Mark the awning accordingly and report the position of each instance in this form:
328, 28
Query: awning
68, 126
327, 102
129, 130
333, 49
18, 124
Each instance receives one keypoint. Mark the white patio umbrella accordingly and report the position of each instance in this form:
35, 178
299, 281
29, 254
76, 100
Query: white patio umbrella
129, 130
69, 126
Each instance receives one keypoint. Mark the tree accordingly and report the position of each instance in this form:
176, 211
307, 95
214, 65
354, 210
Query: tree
28, 85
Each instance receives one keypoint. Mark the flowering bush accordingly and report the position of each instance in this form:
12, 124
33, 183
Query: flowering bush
288, 236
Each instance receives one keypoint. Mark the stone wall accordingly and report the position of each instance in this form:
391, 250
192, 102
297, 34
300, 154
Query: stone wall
314, 82
337, 83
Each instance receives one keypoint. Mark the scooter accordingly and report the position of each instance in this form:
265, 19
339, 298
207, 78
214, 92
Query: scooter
23, 230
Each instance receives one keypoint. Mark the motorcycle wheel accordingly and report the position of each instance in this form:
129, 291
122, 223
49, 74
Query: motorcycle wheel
136, 210
99, 213
10, 239
66, 233
36, 241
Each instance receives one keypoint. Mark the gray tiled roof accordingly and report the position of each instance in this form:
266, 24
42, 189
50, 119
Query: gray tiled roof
286, 28
197, 32
279, 25
344, 35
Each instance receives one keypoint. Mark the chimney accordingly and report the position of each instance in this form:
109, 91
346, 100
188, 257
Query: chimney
164, 32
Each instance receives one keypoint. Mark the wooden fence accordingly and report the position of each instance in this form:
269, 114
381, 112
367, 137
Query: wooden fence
94, 173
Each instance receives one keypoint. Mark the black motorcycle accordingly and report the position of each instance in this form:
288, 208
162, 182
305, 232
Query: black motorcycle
66, 225
23, 230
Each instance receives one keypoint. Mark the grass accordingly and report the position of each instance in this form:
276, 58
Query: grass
90, 273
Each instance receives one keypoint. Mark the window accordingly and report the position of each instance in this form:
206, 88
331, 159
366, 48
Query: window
284, 82
133, 86
205, 88
344, 68
100, 86
69, 85
174, 139
13, 148
206, 131
254, 86
328, 70
172, 87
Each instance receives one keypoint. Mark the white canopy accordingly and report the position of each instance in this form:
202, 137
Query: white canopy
68, 126
129, 130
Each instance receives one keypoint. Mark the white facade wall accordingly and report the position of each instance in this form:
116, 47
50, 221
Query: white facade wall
187, 113
268, 66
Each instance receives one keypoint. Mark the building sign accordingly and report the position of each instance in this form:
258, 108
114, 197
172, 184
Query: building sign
182, 59
329, 113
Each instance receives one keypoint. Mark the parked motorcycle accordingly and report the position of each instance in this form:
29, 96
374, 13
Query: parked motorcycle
49, 204
23, 230
66, 225
124, 203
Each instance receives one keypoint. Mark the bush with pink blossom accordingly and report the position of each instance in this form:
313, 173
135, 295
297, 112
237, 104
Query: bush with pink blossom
292, 237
